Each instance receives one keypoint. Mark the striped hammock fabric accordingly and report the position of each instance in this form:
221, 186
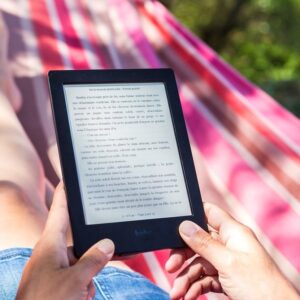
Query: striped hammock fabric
246, 147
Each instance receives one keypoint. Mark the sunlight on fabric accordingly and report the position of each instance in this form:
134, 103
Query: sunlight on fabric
62, 47
104, 30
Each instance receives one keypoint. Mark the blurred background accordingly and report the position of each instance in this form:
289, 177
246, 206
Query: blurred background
261, 38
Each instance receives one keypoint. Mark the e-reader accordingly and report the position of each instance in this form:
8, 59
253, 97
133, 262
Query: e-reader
125, 156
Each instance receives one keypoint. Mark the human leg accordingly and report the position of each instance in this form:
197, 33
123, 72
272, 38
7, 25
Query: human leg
22, 184
23, 211
25, 197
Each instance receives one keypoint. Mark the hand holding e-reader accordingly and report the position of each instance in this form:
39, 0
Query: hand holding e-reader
125, 157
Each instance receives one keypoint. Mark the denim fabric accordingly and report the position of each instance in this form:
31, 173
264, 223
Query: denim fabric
111, 283
12, 262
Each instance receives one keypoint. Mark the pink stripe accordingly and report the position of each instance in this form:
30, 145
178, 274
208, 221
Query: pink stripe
132, 25
281, 119
270, 211
139, 264
93, 21
91, 35
77, 55
162, 256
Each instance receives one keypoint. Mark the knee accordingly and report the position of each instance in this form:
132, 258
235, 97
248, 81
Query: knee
10, 190
13, 198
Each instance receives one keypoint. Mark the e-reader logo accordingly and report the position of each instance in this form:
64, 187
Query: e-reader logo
142, 232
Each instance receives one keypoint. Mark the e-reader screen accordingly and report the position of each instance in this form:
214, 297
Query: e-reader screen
126, 153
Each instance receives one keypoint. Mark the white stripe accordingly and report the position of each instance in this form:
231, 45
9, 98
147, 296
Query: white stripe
9, 6
122, 38
142, 60
39, 87
261, 142
32, 57
57, 28
156, 271
78, 23
101, 21
150, 6
263, 173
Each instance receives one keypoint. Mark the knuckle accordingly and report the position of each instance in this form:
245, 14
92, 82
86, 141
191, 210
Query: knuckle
97, 258
247, 231
204, 241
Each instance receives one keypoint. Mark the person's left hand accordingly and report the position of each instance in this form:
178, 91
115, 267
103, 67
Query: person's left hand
52, 272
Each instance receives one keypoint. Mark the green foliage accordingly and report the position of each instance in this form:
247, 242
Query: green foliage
261, 38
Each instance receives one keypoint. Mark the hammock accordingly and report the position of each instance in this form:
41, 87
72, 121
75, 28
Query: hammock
246, 147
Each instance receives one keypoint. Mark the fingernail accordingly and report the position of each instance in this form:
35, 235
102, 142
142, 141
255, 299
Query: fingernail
168, 264
107, 247
188, 228
173, 293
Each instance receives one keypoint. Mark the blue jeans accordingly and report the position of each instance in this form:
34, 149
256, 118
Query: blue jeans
111, 283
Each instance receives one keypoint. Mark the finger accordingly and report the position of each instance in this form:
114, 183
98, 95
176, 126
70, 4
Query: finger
91, 291
71, 256
53, 240
215, 235
228, 227
216, 217
58, 219
177, 258
197, 269
203, 244
93, 260
203, 286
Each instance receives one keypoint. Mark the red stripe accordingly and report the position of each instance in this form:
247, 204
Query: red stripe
225, 94
92, 35
45, 35
139, 264
268, 159
162, 256
77, 55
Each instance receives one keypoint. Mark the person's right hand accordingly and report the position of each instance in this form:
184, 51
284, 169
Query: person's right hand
229, 259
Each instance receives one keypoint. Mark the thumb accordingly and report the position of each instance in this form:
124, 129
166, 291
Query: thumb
204, 244
94, 260
58, 218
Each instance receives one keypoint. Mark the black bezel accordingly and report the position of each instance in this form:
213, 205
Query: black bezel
133, 236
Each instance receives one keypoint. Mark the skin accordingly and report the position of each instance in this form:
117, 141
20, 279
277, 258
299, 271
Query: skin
53, 263
230, 260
